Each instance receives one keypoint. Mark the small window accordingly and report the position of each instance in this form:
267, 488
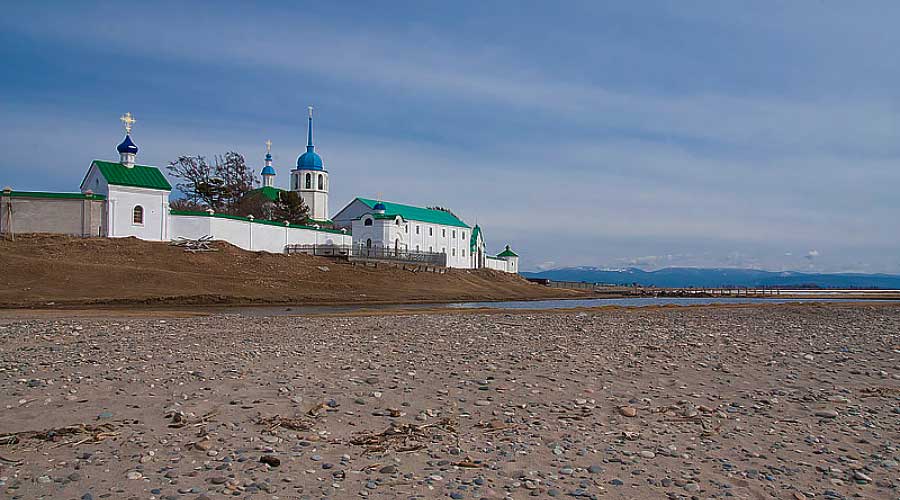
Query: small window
308, 181
321, 181
417, 248
430, 249
397, 220
407, 229
417, 229
368, 222
444, 250
138, 215
464, 235
443, 233
464, 251
430, 233
454, 234
453, 251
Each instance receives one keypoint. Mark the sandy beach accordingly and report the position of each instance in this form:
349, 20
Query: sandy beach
746, 402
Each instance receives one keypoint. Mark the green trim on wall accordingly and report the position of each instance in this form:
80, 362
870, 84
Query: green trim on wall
42, 194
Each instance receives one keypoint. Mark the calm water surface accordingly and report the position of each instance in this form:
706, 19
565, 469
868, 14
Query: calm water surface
533, 304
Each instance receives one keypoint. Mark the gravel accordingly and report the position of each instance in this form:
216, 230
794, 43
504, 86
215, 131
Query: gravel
748, 402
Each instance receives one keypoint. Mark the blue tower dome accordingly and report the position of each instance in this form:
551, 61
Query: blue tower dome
127, 146
379, 207
310, 160
268, 169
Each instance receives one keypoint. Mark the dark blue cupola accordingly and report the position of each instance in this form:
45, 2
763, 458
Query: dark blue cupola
310, 160
127, 146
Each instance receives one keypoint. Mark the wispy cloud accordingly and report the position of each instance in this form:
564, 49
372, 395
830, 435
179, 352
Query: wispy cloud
718, 137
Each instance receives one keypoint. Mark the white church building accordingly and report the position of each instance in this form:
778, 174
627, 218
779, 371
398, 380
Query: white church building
122, 199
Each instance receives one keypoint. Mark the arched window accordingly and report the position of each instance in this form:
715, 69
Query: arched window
138, 215
321, 182
308, 181
369, 243
368, 222
397, 245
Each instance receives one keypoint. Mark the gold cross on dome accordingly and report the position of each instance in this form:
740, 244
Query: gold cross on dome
128, 120
268, 146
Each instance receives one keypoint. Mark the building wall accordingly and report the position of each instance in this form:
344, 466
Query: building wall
416, 236
77, 217
254, 236
348, 214
496, 264
123, 200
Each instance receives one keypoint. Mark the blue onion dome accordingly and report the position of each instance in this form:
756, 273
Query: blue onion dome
310, 160
127, 146
379, 207
268, 170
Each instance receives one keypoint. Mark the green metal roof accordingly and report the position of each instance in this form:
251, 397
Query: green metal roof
268, 192
408, 212
473, 240
41, 194
136, 176
507, 253
255, 221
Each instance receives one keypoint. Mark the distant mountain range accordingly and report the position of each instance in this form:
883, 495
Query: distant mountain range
681, 277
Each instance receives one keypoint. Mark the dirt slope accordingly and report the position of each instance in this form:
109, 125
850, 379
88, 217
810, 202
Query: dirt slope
37, 269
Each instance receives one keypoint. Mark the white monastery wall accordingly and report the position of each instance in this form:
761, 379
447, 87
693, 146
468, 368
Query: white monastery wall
122, 202
254, 236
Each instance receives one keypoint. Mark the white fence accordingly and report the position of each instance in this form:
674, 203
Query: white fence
249, 234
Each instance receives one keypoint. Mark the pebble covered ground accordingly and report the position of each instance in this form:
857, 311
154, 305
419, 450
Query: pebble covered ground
787, 402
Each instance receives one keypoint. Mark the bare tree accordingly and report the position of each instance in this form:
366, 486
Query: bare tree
220, 186
186, 205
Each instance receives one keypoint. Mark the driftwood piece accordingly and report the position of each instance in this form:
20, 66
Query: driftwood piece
94, 433
201, 244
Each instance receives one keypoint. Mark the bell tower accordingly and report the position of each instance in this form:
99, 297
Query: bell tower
310, 179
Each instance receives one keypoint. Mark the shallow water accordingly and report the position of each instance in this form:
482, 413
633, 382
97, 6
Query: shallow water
536, 304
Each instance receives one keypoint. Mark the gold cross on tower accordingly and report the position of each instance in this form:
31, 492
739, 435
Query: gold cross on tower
268, 146
128, 120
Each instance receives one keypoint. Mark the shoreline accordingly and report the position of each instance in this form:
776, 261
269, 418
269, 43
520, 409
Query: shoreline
378, 311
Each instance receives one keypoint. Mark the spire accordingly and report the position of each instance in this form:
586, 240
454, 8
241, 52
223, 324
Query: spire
310, 160
268, 153
309, 143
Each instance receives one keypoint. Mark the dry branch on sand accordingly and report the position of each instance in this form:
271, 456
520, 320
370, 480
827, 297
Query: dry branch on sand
95, 434
405, 437
275, 422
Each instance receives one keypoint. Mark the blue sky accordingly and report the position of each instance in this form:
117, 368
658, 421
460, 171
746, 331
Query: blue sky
751, 134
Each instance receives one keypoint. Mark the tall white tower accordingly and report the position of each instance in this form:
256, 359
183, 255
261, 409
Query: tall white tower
310, 178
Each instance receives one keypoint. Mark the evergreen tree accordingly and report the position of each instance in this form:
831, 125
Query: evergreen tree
290, 207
